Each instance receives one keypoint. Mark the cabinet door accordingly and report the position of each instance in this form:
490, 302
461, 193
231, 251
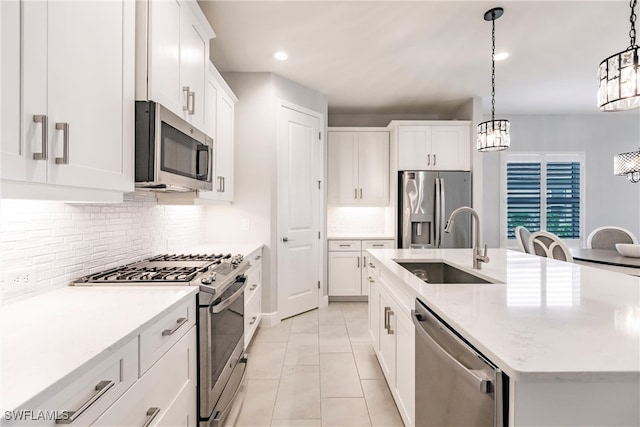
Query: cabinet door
224, 146
164, 55
344, 273
405, 367
374, 311
387, 353
373, 168
450, 147
414, 148
16, 151
193, 63
90, 91
342, 169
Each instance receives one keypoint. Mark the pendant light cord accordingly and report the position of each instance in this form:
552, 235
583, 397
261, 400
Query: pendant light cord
493, 64
632, 20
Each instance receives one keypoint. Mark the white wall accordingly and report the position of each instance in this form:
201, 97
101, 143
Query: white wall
255, 168
62, 242
610, 200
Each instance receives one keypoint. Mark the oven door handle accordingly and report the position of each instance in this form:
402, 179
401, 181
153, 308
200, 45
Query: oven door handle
227, 302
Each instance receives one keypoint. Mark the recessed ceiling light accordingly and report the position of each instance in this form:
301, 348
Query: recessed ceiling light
500, 56
281, 55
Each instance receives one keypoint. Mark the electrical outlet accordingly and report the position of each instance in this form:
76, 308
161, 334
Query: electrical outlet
20, 280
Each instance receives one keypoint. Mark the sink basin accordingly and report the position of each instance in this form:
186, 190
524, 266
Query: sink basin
439, 272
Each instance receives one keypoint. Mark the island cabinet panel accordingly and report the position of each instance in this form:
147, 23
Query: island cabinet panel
405, 366
358, 168
63, 133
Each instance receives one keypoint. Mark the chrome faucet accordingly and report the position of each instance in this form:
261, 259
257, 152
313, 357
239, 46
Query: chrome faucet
477, 256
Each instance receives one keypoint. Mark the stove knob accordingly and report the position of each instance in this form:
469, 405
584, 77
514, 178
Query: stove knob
206, 280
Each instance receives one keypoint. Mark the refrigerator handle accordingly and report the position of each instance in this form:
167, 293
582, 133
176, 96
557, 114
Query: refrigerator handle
438, 226
443, 220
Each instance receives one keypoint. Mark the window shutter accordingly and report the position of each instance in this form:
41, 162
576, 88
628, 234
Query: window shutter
523, 196
563, 199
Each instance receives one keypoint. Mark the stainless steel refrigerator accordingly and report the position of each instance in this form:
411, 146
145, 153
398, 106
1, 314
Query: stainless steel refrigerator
426, 200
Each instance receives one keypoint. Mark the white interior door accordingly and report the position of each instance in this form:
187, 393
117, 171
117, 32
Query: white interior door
299, 169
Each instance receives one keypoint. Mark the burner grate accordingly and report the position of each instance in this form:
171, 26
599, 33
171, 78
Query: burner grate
189, 257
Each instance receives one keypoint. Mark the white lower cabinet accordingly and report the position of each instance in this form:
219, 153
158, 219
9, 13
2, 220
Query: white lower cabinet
164, 395
392, 336
347, 264
253, 297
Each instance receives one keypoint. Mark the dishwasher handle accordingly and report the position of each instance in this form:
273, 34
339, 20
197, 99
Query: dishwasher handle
485, 385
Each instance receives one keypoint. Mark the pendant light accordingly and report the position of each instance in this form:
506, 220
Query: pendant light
493, 135
619, 87
628, 164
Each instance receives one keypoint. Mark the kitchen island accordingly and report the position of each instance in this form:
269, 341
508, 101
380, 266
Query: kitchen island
567, 336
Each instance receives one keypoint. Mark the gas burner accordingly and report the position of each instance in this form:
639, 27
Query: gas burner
190, 257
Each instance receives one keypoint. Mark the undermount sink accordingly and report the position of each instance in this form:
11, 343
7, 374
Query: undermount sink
439, 272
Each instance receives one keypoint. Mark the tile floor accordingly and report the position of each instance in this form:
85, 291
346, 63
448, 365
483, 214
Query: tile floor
315, 369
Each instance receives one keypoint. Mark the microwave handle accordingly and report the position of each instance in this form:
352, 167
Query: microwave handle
206, 151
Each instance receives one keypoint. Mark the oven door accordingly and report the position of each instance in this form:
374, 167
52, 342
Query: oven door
221, 346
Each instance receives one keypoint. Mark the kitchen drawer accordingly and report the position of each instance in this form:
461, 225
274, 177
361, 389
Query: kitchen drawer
255, 257
344, 245
254, 280
155, 391
182, 412
159, 337
94, 390
377, 244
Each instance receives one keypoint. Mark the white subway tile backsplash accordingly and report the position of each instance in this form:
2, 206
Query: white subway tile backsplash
63, 241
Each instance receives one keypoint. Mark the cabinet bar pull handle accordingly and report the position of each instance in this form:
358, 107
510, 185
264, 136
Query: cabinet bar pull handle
371, 265
378, 245
224, 185
355, 193
64, 160
181, 321
428, 159
253, 320
40, 118
434, 160
101, 388
364, 261
185, 89
253, 288
386, 318
389, 330
258, 257
358, 258
151, 414
361, 193
370, 280
346, 245
192, 95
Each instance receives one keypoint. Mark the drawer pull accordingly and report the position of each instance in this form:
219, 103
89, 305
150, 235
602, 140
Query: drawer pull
345, 246
253, 320
253, 288
151, 414
181, 321
371, 265
258, 257
378, 245
101, 389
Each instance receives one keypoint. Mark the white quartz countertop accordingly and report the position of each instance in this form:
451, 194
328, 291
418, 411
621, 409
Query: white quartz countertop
232, 248
47, 339
546, 319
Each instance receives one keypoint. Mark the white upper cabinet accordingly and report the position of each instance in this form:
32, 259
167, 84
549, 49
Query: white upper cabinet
358, 168
438, 146
172, 40
76, 90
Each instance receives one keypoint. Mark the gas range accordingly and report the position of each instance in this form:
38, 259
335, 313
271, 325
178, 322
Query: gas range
211, 272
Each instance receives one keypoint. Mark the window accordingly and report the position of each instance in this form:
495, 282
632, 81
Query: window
543, 192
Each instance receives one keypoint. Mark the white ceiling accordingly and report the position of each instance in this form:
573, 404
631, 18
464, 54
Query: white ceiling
425, 56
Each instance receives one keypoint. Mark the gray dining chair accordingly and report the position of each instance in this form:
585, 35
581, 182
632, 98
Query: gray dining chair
545, 244
522, 236
607, 237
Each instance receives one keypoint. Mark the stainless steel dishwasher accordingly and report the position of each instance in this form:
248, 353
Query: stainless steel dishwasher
455, 385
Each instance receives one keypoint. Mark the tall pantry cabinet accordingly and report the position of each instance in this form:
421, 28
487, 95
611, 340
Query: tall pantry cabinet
67, 99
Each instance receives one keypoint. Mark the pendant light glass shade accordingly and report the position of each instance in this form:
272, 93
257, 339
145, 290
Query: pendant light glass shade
628, 164
619, 76
493, 135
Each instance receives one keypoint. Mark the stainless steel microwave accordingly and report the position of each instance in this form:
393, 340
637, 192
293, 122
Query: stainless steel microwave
171, 155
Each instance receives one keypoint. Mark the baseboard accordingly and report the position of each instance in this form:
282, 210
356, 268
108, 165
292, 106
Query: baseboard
362, 298
270, 319
324, 301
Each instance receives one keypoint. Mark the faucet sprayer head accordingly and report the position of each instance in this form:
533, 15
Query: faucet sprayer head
448, 225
